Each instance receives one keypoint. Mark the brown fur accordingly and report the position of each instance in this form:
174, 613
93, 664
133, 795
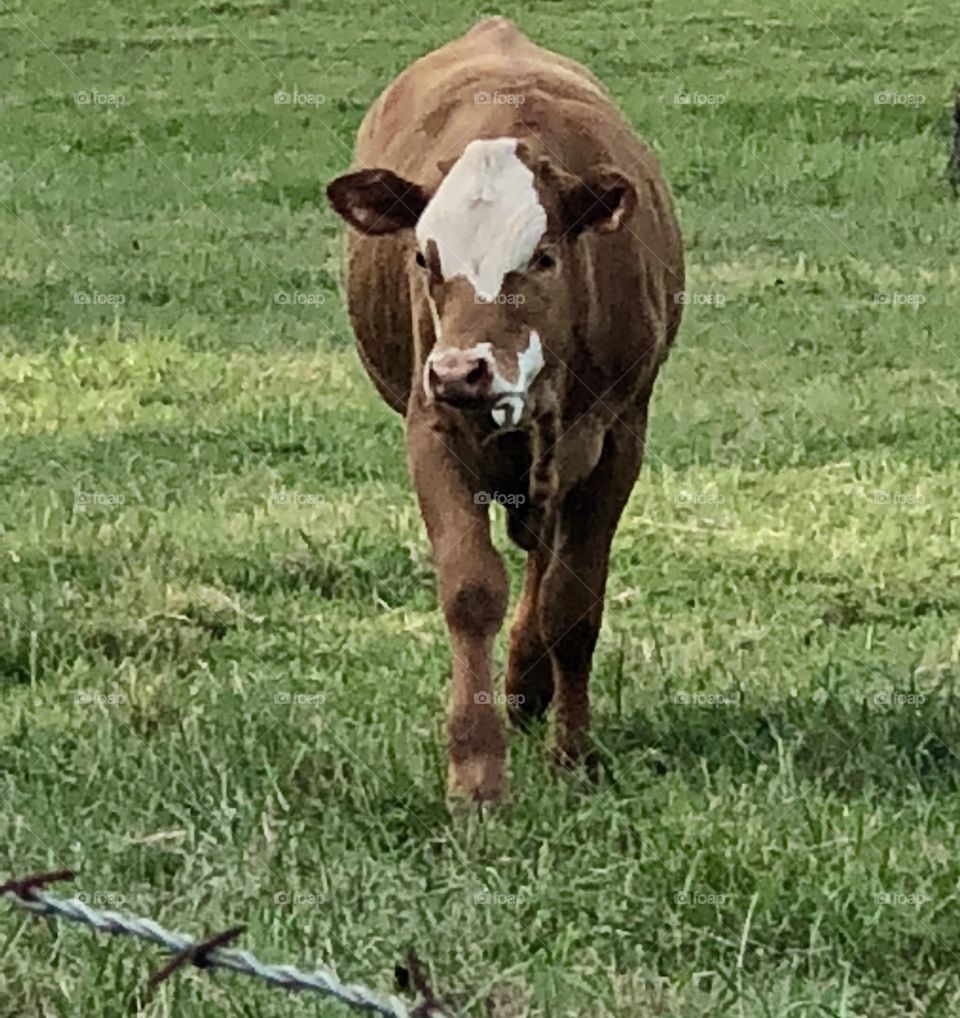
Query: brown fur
609, 314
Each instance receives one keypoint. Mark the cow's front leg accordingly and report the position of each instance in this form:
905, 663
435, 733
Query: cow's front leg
572, 588
530, 669
529, 685
473, 591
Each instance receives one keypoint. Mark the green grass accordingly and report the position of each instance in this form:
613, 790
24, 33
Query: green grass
204, 512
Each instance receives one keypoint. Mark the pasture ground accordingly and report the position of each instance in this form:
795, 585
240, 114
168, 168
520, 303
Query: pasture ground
222, 667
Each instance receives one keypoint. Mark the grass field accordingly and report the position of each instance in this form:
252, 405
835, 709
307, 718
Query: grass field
222, 666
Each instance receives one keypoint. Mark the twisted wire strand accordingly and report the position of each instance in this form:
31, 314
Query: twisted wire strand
321, 980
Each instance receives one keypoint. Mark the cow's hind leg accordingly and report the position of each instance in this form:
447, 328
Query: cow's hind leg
473, 591
573, 585
529, 684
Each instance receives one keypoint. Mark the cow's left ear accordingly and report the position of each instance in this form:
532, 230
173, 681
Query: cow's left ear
603, 200
377, 201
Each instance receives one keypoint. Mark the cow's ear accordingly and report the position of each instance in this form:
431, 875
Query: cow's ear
377, 201
603, 200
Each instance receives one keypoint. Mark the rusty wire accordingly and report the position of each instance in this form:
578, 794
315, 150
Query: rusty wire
28, 893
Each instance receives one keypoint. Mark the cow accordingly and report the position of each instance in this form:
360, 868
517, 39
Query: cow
514, 277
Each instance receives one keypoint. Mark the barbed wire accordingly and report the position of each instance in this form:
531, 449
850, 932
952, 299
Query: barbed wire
28, 893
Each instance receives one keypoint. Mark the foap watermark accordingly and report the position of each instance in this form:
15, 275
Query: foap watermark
513, 299
286, 297
297, 98
299, 899
695, 297
898, 498
683, 98
97, 299
297, 499
300, 699
728, 698
102, 899
698, 898
96, 98
686, 497
893, 98
500, 699
899, 898
499, 98
498, 498
97, 499
896, 299
894, 698
498, 898
94, 698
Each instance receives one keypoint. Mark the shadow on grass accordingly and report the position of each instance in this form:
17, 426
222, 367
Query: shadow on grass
897, 741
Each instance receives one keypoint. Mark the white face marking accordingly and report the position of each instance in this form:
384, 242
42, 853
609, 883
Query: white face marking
437, 333
435, 315
529, 363
486, 218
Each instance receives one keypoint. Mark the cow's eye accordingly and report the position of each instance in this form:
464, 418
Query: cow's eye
543, 261
420, 260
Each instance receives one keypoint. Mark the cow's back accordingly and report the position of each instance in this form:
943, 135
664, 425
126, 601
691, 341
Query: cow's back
446, 97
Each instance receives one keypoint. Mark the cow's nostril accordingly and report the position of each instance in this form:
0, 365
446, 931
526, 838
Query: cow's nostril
477, 373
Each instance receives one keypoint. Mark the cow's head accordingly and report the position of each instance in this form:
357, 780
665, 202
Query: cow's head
493, 254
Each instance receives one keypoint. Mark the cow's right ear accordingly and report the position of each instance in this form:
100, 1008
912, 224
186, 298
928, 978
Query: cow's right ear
377, 201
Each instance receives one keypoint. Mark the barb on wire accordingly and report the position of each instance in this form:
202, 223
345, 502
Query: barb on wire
429, 1004
28, 893
24, 887
197, 954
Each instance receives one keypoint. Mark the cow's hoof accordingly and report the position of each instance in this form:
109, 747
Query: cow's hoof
475, 781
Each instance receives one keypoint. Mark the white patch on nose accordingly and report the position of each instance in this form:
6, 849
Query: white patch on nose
486, 218
529, 362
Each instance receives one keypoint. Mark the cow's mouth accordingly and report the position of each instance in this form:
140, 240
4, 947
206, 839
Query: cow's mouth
505, 409
467, 402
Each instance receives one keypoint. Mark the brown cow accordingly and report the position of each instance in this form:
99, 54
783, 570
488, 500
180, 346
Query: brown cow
514, 278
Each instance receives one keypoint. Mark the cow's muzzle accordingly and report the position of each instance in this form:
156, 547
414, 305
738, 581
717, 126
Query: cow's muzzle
460, 378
